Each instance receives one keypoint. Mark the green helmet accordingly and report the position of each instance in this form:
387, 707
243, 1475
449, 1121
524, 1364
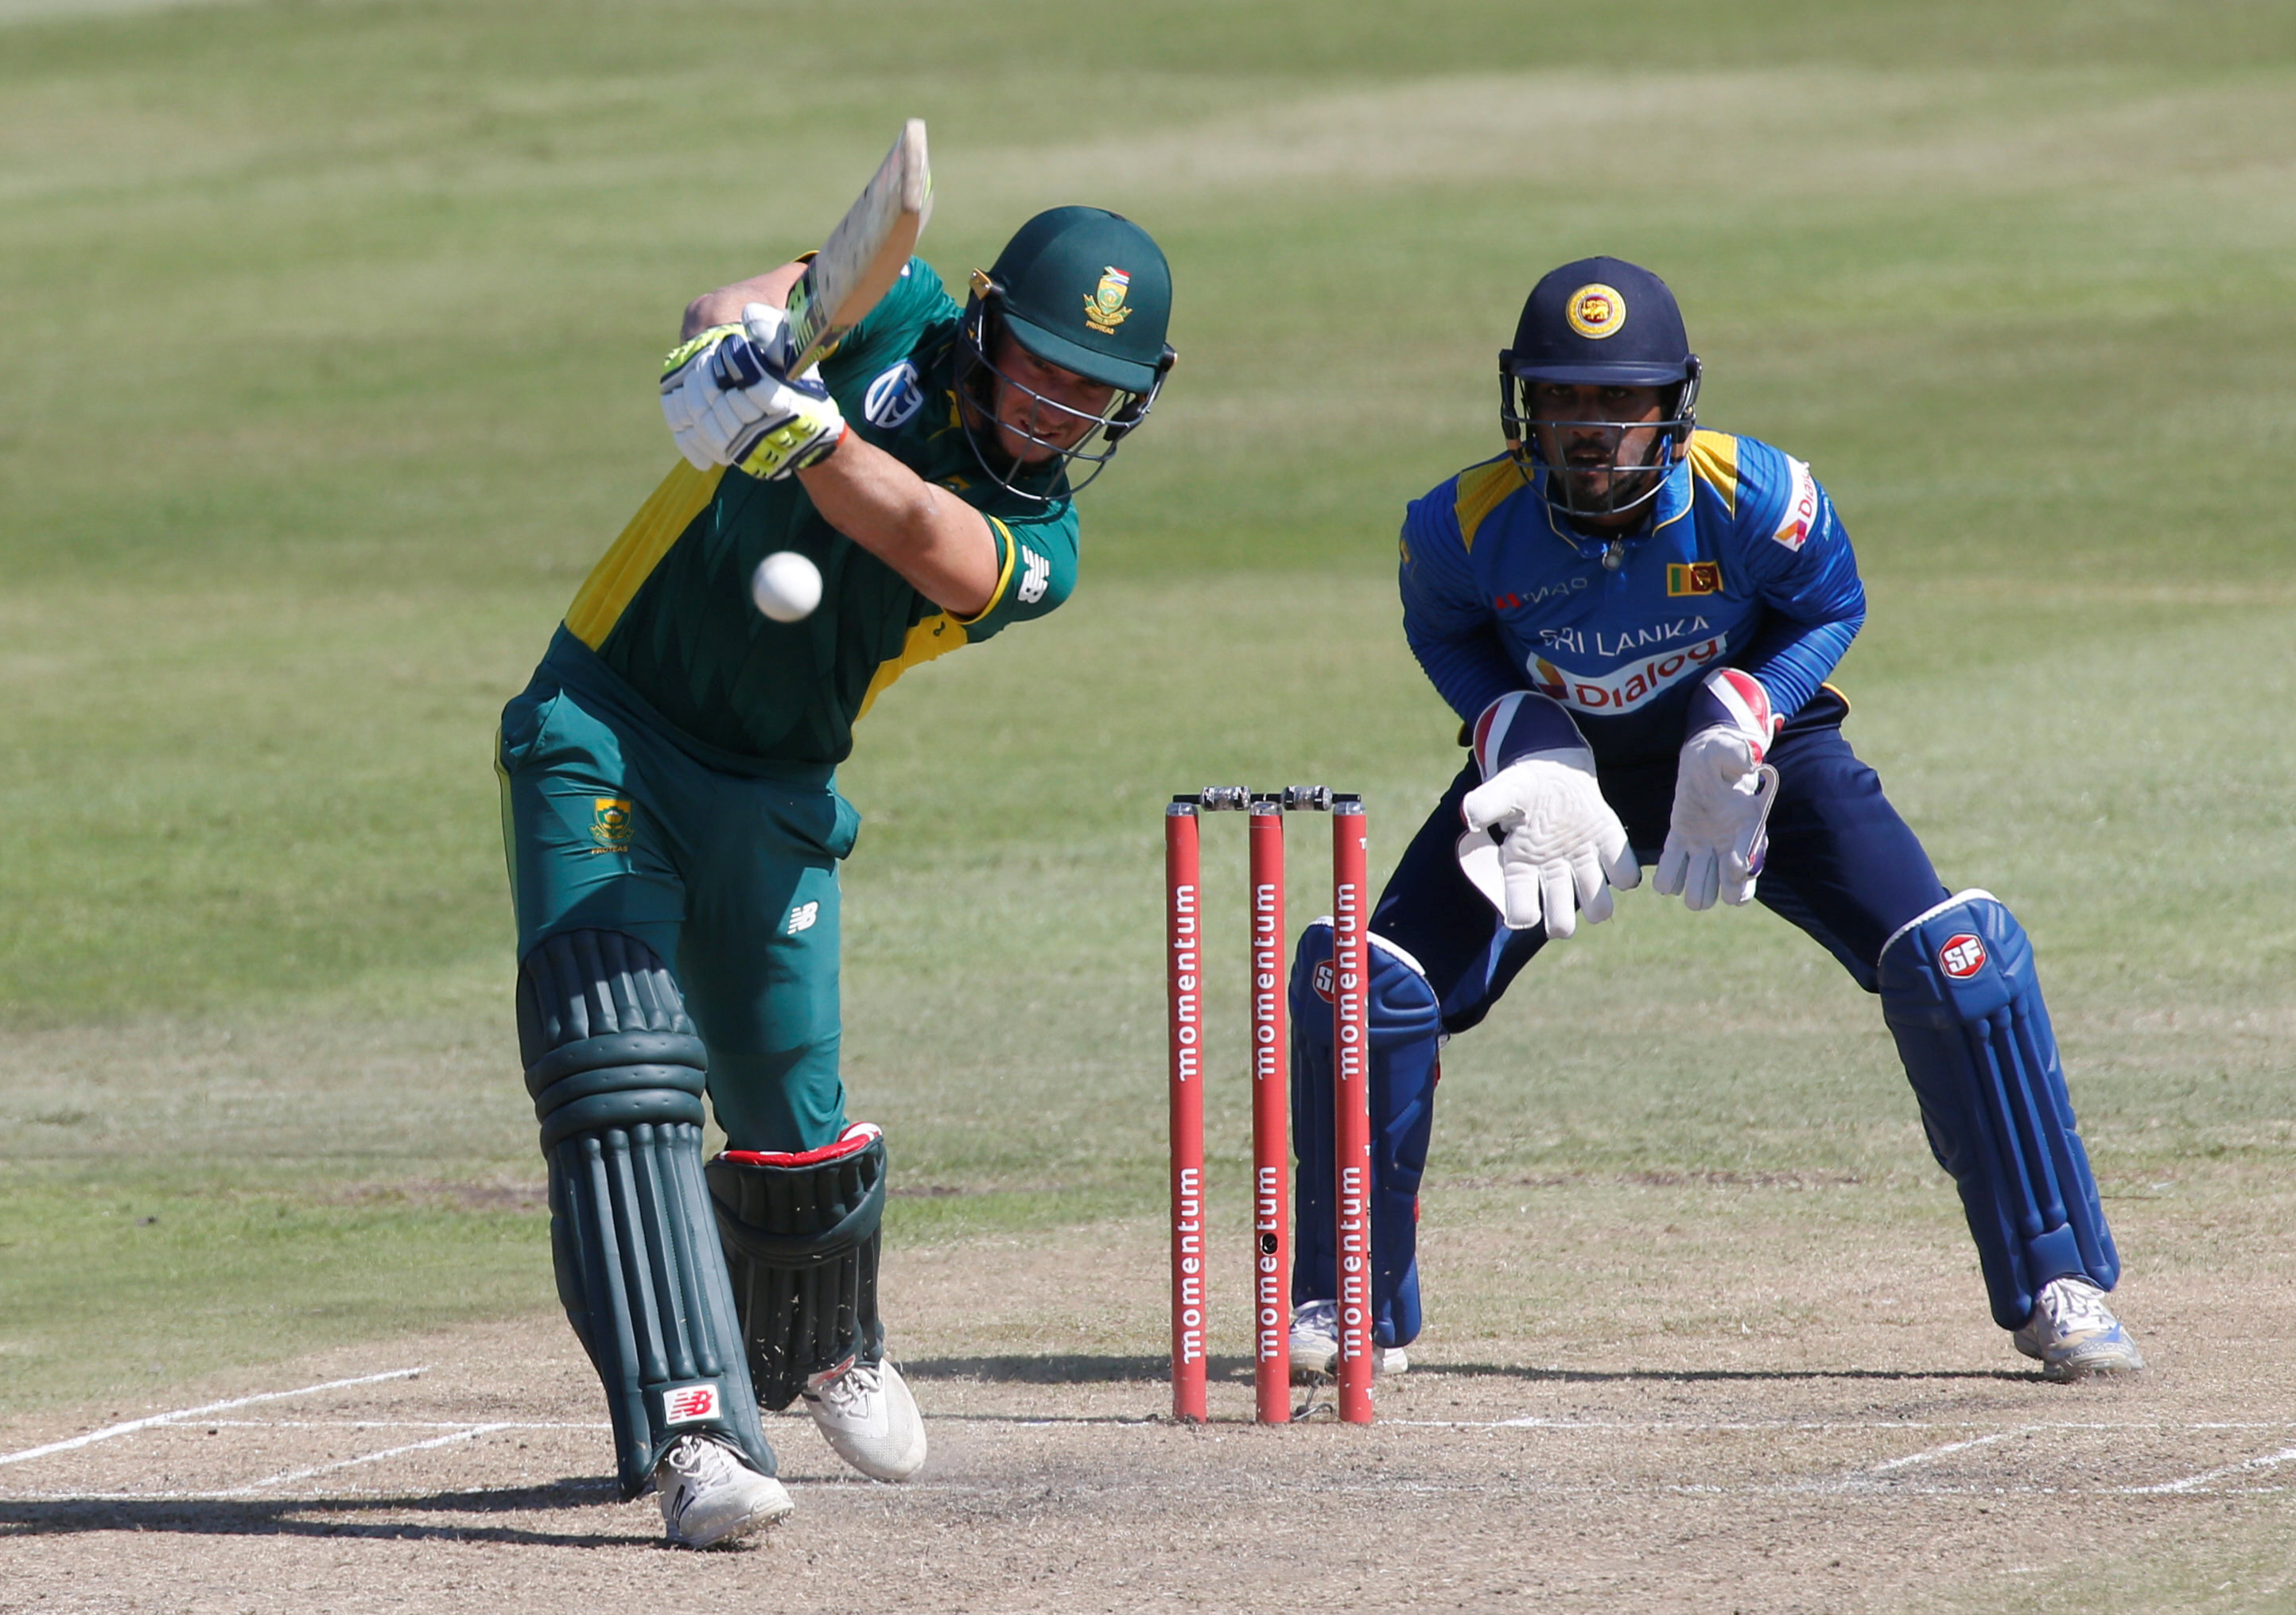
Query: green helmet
1089, 290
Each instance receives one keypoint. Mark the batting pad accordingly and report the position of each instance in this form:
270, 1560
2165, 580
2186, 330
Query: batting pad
617, 1073
1961, 997
801, 1232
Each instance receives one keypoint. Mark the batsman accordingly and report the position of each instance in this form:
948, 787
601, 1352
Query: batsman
674, 827
1635, 618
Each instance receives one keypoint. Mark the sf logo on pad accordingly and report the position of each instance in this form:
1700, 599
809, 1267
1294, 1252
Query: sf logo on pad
1962, 957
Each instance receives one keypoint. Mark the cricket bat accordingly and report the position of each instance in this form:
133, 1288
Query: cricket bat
864, 255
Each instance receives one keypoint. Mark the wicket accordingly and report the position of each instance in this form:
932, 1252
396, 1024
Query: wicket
1270, 1095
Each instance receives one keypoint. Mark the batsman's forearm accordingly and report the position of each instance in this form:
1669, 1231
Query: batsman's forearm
933, 539
723, 306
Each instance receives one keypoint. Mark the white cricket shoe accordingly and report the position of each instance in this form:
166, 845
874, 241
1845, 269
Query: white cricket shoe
2075, 1335
710, 1494
866, 1412
1316, 1345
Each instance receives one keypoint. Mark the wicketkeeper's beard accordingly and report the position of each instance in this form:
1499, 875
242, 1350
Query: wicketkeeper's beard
1597, 486
1594, 483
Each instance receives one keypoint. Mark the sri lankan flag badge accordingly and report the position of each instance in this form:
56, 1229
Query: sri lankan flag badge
610, 823
1694, 578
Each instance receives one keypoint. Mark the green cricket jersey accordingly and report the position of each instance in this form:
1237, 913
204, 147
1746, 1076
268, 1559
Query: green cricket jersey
666, 611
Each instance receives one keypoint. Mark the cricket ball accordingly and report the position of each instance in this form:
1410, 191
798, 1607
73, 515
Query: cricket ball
786, 587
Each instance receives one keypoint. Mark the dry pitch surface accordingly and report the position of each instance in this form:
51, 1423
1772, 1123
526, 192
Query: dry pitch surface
1888, 1452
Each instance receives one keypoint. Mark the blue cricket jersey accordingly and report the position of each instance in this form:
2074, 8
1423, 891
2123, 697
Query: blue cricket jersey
1743, 565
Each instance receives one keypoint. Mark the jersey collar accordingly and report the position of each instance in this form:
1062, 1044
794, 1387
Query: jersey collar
1672, 504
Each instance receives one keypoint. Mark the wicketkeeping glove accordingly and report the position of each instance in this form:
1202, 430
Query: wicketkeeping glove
728, 402
1560, 849
1722, 789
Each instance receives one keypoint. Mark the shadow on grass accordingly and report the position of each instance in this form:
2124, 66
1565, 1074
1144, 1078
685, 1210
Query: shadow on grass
1081, 1368
341, 1517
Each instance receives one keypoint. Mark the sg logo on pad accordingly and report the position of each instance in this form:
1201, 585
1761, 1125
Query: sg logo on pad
1962, 957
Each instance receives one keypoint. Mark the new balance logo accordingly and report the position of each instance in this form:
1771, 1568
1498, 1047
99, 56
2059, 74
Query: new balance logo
1036, 576
689, 1403
803, 916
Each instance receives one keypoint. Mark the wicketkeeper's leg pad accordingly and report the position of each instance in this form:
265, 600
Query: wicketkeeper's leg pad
616, 1072
1961, 997
802, 1231
1404, 1024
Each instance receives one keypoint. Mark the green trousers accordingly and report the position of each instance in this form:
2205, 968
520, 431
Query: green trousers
730, 876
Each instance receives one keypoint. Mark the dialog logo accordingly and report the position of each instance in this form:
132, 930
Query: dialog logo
689, 1403
1623, 689
1962, 957
1801, 507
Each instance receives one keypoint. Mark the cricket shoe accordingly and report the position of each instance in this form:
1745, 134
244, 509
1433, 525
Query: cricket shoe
1316, 1344
866, 1411
2075, 1335
710, 1494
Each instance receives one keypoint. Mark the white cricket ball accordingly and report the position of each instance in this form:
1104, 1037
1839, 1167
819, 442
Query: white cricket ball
786, 587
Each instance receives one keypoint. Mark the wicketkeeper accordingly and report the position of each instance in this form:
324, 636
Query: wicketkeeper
674, 827
1636, 617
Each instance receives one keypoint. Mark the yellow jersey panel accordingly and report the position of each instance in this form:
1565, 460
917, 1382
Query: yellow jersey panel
622, 570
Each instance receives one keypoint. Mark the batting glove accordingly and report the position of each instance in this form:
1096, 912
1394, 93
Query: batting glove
1719, 835
728, 402
1540, 842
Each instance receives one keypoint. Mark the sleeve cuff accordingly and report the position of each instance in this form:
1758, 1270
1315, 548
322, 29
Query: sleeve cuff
1006, 550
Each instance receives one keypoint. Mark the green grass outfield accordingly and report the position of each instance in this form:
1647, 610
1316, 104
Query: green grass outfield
329, 332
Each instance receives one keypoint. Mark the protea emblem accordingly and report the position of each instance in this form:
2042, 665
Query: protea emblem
1104, 309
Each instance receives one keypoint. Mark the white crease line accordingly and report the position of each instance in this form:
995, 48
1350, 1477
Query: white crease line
132, 1425
1660, 1426
284, 1476
1935, 1453
397, 1424
602, 1489
1851, 1490
2191, 1483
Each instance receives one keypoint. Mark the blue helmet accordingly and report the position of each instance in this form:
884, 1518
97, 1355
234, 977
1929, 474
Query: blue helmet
1600, 322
